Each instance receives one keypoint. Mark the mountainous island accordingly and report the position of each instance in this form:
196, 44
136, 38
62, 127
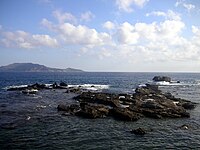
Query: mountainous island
30, 67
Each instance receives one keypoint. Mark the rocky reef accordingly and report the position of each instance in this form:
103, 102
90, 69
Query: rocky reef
147, 101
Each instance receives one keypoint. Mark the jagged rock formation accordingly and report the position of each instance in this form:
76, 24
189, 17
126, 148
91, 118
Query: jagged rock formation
147, 101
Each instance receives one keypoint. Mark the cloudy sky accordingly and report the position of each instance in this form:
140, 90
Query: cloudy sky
102, 35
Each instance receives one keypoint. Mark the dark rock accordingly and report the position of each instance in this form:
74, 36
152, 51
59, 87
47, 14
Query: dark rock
92, 111
139, 131
29, 87
188, 105
124, 114
148, 101
74, 90
148, 89
151, 104
17, 89
151, 114
72, 109
184, 127
99, 98
162, 78
55, 85
63, 84
37, 86
169, 95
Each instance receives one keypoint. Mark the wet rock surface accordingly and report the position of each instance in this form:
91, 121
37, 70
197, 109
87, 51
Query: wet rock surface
147, 101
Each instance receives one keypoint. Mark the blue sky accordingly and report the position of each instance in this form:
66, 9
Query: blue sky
102, 35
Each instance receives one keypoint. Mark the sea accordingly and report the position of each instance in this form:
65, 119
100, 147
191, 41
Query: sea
33, 122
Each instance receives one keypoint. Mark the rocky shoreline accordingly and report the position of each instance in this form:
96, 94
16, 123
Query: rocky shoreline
146, 101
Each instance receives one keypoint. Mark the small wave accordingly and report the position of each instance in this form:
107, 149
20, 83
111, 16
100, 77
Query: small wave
91, 87
197, 82
41, 106
173, 83
15, 86
165, 83
142, 85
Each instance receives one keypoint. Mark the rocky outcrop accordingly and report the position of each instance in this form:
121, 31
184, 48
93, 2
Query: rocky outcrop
38, 86
139, 131
162, 78
92, 111
99, 98
71, 109
124, 114
147, 101
63, 84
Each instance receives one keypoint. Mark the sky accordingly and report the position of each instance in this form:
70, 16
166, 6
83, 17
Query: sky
102, 35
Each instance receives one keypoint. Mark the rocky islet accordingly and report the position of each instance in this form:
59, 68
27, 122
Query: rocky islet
147, 101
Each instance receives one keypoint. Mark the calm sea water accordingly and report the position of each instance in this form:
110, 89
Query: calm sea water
38, 124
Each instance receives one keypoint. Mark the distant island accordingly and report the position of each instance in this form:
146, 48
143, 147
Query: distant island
30, 67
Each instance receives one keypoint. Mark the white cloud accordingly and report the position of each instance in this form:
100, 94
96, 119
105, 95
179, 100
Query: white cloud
68, 33
196, 30
109, 25
25, 40
82, 35
132, 43
126, 34
47, 24
189, 7
168, 15
87, 16
104, 53
196, 37
125, 5
139, 33
44, 40
157, 41
64, 17
156, 13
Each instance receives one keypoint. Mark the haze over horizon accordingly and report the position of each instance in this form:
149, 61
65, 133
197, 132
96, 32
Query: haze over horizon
101, 35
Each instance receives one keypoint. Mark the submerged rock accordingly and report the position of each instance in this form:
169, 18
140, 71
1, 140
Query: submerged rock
72, 109
184, 127
139, 131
